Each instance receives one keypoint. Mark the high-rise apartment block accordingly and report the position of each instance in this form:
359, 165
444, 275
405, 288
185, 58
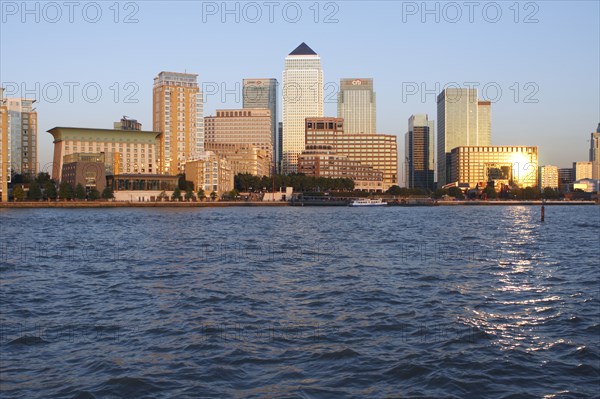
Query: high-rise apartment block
302, 98
4, 148
419, 152
22, 125
548, 176
463, 120
248, 126
582, 170
178, 113
508, 165
565, 179
357, 105
379, 151
595, 153
262, 93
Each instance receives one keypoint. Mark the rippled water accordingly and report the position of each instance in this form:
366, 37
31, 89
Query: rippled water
300, 302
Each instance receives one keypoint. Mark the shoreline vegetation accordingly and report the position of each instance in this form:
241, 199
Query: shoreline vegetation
225, 204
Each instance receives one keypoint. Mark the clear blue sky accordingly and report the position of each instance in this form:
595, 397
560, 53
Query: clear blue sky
559, 56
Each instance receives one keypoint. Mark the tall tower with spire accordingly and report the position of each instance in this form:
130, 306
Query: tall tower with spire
302, 98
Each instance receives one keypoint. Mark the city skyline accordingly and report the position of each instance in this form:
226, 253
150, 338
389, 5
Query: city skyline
509, 56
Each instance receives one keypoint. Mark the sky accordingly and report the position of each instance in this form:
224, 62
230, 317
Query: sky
89, 63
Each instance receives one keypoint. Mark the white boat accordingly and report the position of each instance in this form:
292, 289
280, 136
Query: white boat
368, 202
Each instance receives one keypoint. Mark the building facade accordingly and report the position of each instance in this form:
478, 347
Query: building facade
323, 161
379, 151
5, 177
419, 149
582, 170
128, 124
130, 151
463, 120
243, 158
357, 105
548, 176
91, 175
595, 153
262, 93
510, 165
565, 179
210, 173
248, 126
178, 113
22, 127
302, 98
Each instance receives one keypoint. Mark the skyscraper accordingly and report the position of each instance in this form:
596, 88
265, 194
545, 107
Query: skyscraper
463, 120
178, 113
419, 150
595, 153
302, 98
262, 93
22, 127
4, 148
356, 104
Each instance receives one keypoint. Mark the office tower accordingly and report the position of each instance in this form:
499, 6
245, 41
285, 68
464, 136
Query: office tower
262, 93
463, 120
356, 105
279, 146
324, 161
248, 126
548, 177
243, 158
503, 165
565, 179
302, 98
419, 150
4, 148
178, 113
22, 125
582, 170
595, 153
379, 151
125, 151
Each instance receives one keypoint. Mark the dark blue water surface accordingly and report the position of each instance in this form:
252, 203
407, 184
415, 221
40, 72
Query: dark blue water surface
300, 302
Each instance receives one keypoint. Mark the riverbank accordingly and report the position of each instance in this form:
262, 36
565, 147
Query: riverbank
225, 204
127, 204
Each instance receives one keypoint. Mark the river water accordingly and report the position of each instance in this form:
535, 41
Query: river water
300, 302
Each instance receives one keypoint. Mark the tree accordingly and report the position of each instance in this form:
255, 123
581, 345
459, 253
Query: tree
50, 190
65, 191
94, 194
551, 193
456, 192
213, 196
18, 193
79, 191
490, 192
201, 195
189, 194
42, 178
176, 196
439, 193
108, 193
162, 195
393, 190
233, 194
35, 192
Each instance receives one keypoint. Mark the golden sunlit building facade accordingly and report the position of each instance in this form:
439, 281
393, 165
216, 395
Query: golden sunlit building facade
379, 151
510, 165
178, 113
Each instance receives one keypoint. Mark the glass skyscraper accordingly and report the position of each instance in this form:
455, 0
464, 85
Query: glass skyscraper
356, 104
419, 152
463, 120
262, 93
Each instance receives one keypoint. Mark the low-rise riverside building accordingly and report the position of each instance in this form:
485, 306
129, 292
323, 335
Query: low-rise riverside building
133, 151
243, 158
323, 161
210, 173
